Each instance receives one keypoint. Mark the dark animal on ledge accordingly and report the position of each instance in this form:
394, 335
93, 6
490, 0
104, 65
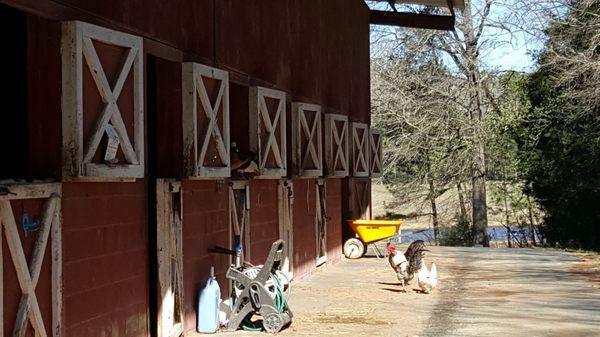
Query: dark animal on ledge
243, 163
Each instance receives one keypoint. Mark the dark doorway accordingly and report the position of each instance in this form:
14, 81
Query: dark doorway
13, 94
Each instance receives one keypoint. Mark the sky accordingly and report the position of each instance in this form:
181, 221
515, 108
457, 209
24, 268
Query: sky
517, 59
514, 52
517, 55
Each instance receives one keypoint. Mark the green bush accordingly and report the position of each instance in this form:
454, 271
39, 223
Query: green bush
460, 234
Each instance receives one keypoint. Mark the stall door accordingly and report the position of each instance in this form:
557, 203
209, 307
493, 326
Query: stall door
239, 215
28, 254
170, 258
285, 199
359, 198
321, 222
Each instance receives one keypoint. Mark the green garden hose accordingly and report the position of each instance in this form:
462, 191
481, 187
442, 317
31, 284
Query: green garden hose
280, 303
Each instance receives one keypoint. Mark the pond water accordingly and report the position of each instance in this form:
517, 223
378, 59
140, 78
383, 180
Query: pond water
495, 233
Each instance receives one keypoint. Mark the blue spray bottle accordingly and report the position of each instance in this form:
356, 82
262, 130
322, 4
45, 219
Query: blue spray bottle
207, 313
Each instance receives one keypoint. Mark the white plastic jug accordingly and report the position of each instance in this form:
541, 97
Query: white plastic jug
207, 315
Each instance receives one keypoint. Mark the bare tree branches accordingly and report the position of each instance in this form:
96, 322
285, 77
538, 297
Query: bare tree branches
432, 92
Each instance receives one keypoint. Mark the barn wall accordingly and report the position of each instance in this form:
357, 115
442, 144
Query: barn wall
304, 225
205, 224
43, 80
164, 97
317, 52
335, 223
264, 225
105, 259
305, 229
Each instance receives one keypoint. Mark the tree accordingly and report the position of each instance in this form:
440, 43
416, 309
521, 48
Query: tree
469, 97
470, 93
558, 138
416, 117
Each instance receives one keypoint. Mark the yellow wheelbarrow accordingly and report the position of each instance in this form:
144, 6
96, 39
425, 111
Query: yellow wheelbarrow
369, 232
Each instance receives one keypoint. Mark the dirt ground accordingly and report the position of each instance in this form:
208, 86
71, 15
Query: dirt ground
482, 292
588, 266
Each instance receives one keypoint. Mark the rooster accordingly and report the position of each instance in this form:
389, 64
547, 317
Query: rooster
414, 254
399, 263
411, 263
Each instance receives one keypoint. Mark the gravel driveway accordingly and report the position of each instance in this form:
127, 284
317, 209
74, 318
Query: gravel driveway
482, 292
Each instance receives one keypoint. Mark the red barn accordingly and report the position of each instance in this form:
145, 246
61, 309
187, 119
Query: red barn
135, 135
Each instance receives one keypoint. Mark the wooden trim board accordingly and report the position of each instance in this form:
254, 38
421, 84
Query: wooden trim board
196, 142
76, 47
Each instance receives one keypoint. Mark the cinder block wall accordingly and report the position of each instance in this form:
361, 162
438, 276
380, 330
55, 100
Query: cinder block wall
264, 223
205, 224
105, 259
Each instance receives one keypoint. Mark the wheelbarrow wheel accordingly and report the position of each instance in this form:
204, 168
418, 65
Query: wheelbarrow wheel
354, 248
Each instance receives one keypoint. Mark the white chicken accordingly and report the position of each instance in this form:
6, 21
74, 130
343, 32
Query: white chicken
427, 278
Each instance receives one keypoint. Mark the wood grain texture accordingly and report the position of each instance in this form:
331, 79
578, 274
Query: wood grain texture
78, 46
336, 146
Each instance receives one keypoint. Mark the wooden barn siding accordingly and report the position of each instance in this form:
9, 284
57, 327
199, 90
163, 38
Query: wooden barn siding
105, 259
305, 249
302, 47
304, 225
43, 80
317, 51
168, 158
205, 224
335, 223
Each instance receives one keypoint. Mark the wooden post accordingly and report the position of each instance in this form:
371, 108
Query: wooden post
57, 277
169, 241
285, 192
321, 222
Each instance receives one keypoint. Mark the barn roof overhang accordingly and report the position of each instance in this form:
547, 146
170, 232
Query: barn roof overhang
417, 20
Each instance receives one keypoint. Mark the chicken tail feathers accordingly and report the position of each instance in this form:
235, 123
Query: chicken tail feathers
415, 246
415, 260
433, 271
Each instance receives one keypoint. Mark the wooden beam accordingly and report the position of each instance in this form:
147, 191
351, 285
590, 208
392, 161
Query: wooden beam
57, 275
460, 4
16, 191
412, 20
